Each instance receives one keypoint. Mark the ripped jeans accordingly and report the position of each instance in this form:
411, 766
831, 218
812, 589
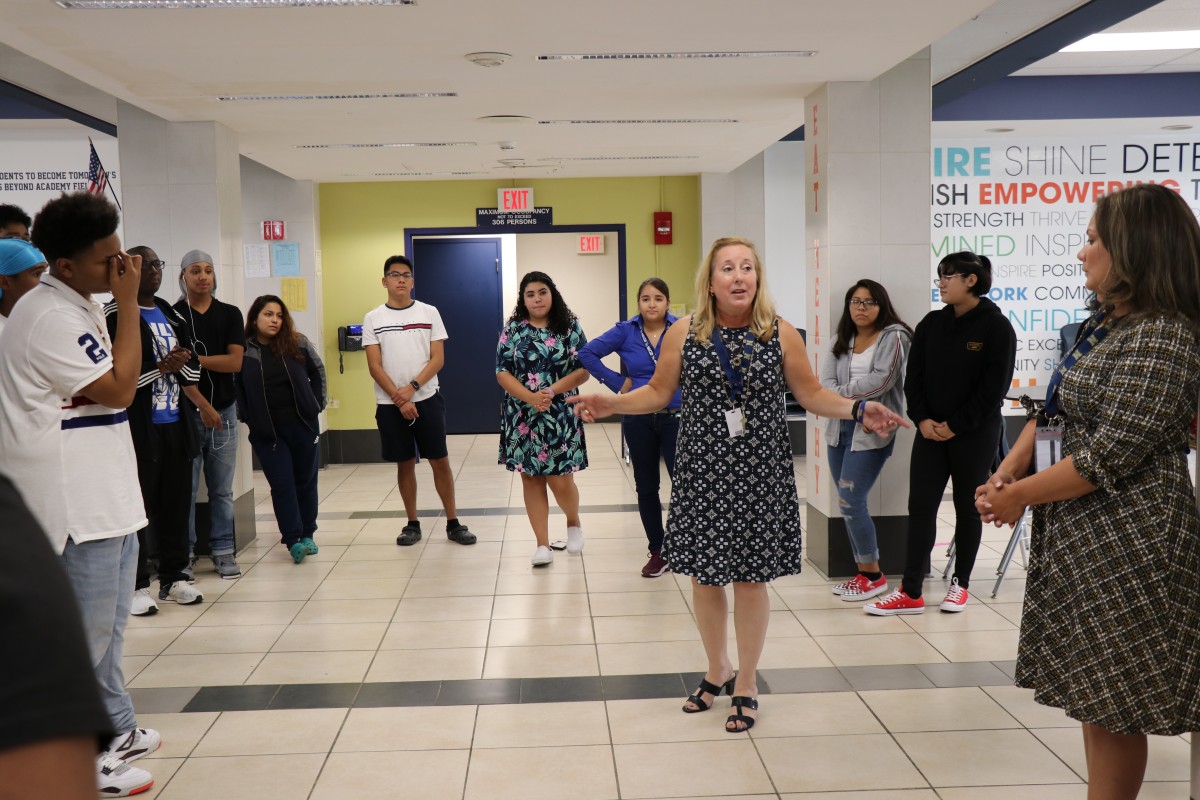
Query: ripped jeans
854, 474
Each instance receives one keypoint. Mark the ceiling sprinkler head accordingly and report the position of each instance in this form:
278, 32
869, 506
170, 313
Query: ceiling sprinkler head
507, 145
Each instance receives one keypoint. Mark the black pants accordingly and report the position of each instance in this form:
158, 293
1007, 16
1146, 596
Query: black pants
966, 459
650, 437
290, 465
165, 473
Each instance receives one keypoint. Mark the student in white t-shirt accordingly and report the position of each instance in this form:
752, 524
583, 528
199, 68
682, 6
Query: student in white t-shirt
404, 339
65, 442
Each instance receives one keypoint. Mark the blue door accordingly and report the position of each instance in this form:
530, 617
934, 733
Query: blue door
461, 277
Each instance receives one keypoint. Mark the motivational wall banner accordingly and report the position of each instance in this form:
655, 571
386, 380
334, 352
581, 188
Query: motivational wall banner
39, 164
1025, 203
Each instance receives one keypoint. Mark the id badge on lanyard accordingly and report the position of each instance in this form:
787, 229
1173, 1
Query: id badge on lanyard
735, 421
1047, 447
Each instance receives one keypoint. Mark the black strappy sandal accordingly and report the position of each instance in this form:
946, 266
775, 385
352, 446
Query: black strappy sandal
707, 688
738, 718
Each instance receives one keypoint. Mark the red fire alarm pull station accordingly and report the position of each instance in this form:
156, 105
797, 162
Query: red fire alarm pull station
662, 227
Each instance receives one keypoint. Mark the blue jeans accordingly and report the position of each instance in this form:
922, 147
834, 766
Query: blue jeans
855, 473
218, 459
290, 465
102, 574
650, 436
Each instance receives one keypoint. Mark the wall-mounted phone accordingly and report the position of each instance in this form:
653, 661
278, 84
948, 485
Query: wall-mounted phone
349, 340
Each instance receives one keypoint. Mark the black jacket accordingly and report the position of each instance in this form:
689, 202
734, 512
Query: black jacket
308, 387
960, 368
140, 411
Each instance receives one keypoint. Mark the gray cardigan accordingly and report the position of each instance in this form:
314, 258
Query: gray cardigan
884, 383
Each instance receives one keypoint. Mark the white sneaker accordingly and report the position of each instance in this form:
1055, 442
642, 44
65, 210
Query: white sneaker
542, 556
574, 540
143, 603
181, 592
115, 778
135, 744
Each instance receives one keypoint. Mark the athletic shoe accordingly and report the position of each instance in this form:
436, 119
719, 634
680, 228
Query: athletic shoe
298, 550
189, 571
181, 592
115, 778
542, 556
956, 598
575, 540
135, 744
143, 603
226, 566
898, 602
310, 545
656, 566
863, 588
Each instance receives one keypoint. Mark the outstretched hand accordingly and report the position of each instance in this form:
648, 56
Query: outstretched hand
591, 407
878, 418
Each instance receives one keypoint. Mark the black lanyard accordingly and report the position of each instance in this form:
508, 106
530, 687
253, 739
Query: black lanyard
735, 379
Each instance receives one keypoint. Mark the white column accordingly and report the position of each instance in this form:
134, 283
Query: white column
867, 216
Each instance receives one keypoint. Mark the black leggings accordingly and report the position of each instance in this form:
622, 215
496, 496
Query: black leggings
966, 459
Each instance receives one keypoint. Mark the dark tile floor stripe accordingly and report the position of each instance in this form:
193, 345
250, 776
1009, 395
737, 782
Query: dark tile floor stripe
490, 691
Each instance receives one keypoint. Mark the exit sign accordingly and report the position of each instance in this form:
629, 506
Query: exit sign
514, 200
590, 243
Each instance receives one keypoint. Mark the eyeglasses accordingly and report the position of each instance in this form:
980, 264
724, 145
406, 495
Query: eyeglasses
940, 279
157, 266
399, 276
857, 303
23, 237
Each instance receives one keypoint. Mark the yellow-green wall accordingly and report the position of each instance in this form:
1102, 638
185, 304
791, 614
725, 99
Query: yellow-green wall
363, 223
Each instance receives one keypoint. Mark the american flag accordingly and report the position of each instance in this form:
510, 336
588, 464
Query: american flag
97, 177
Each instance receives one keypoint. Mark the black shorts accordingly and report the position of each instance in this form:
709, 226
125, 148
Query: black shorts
402, 439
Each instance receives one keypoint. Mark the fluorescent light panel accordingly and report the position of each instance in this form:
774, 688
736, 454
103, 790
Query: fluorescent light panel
683, 55
632, 121
366, 145
617, 158
1153, 40
386, 96
139, 4
403, 174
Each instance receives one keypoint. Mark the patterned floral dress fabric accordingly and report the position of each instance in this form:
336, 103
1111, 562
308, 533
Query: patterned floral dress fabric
532, 442
734, 511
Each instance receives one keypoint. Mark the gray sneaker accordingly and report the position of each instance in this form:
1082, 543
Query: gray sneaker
226, 566
190, 570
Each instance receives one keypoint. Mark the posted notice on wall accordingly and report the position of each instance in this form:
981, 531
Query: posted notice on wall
285, 258
294, 293
257, 260
1025, 203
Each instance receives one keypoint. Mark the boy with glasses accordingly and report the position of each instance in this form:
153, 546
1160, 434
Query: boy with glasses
163, 437
14, 222
403, 339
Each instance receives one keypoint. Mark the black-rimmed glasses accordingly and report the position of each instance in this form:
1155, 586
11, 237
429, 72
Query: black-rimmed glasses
940, 279
156, 265
399, 276
857, 303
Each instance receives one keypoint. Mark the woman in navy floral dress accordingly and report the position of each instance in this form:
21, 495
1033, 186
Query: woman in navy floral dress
537, 365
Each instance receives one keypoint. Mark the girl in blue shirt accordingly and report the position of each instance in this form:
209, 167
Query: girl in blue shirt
638, 341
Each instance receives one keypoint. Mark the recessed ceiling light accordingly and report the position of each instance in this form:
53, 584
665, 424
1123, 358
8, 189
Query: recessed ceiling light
388, 144
137, 4
487, 59
1179, 127
999, 130
684, 55
1149, 40
385, 96
632, 121
616, 158
504, 119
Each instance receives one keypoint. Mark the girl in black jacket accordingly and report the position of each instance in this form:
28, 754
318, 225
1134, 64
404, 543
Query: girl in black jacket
959, 368
280, 392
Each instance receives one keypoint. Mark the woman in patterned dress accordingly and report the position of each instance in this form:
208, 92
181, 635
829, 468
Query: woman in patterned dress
537, 365
1111, 626
734, 514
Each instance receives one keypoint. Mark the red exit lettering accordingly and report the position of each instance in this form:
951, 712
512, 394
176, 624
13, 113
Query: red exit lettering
516, 200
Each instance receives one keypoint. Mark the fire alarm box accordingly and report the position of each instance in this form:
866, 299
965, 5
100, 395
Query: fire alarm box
662, 227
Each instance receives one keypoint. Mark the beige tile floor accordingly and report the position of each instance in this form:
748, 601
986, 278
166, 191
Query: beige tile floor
366, 610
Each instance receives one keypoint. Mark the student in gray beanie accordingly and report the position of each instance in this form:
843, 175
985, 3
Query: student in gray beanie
217, 331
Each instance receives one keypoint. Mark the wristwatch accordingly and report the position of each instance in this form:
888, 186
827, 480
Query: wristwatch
415, 385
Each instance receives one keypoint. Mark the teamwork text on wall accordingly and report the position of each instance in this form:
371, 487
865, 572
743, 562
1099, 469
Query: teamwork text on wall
1025, 204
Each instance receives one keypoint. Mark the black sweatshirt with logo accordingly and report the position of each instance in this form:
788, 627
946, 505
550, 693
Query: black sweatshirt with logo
960, 368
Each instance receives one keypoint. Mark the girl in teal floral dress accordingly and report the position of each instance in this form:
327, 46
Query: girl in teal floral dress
537, 364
